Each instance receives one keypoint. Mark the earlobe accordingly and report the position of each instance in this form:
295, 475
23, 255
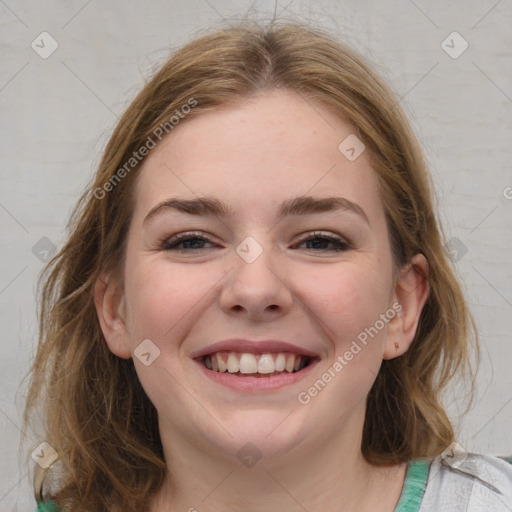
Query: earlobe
110, 309
411, 292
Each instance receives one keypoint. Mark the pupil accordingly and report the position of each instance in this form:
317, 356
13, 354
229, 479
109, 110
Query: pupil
189, 243
318, 243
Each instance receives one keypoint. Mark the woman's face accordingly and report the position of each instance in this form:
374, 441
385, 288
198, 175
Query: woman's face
282, 278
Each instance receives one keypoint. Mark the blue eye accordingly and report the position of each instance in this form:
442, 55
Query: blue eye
320, 241
190, 241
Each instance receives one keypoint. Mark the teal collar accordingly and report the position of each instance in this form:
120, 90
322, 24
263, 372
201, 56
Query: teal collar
49, 506
414, 486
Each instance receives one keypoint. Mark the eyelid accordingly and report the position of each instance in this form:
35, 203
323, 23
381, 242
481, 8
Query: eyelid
342, 241
166, 241
325, 234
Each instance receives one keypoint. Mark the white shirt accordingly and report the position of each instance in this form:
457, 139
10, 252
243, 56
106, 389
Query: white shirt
460, 482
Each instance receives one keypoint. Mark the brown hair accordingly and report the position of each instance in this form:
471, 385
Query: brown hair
97, 416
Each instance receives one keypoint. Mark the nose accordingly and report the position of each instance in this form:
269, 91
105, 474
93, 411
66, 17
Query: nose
257, 290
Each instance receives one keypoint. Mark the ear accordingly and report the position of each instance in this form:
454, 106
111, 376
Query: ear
409, 297
110, 308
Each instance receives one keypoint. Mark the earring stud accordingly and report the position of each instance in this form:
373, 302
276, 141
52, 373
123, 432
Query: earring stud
397, 346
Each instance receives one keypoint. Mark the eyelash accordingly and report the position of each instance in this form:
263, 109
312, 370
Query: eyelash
170, 244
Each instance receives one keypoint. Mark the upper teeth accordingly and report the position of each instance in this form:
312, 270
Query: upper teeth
234, 362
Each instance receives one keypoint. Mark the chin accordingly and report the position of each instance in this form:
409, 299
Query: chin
268, 433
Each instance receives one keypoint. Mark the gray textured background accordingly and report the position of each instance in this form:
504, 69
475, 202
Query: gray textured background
58, 112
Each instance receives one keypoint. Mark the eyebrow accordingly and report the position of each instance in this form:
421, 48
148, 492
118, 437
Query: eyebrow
304, 205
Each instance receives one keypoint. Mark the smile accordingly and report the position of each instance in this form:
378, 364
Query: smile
243, 364
254, 366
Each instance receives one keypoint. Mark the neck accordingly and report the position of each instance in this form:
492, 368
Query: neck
332, 477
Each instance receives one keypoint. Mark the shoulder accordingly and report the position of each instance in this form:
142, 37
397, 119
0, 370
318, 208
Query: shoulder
469, 482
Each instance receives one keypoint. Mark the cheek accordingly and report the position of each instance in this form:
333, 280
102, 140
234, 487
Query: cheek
348, 303
161, 298
349, 300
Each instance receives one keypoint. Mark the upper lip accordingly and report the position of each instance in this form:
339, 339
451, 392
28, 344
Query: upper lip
252, 347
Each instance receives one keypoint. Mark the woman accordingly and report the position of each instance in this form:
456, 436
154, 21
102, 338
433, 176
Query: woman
253, 310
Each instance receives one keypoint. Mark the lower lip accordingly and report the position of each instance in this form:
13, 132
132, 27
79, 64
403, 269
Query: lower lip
257, 383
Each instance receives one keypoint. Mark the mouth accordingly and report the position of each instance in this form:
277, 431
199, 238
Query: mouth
248, 364
255, 366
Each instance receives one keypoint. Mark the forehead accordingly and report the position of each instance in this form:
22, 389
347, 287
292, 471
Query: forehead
257, 153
